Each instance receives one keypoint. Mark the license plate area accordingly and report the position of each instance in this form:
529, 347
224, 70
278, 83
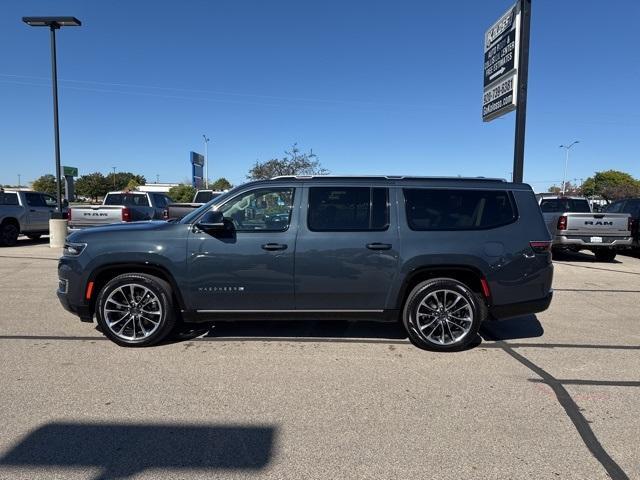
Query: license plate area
596, 240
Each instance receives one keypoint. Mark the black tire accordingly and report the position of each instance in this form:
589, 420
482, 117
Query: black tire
9, 232
475, 308
34, 236
605, 255
163, 303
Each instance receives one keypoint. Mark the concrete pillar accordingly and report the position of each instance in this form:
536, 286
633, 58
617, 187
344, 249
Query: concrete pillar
57, 232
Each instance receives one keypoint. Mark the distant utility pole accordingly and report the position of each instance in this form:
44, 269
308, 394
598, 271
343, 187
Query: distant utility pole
206, 161
566, 163
157, 178
18, 180
114, 177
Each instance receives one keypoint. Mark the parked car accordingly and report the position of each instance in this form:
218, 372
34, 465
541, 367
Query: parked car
175, 211
119, 207
630, 206
575, 227
440, 255
26, 213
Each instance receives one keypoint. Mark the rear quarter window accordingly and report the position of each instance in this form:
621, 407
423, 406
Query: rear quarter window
8, 198
450, 209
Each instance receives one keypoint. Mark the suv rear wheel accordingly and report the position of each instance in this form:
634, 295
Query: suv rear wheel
443, 314
136, 310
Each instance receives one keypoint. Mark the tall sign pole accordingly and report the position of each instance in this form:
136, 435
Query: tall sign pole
523, 80
506, 72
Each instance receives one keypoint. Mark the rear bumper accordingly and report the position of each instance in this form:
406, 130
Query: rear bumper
522, 308
608, 241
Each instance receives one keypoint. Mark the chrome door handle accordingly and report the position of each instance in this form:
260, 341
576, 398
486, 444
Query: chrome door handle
379, 246
274, 246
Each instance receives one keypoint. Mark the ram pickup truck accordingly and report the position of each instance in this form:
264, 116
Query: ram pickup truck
119, 207
575, 227
439, 255
176, 211
26, 213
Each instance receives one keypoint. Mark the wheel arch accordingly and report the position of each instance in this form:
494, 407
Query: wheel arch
102, 275
472, 277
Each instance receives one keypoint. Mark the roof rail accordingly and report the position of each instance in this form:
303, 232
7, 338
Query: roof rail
384, 177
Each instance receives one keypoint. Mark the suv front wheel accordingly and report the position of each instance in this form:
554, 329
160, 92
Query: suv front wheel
135, 310
443, 314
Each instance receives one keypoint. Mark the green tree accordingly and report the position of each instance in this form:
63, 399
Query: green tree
294, 162
569, 189
93, 185
182, 193
45, 184
133, 184
122, 180
221, 184
611, 185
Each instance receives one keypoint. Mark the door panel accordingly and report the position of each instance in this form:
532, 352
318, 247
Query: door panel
38, 211
343, 269
249, 267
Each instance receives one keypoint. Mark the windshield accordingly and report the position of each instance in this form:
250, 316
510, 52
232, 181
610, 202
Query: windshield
215, 201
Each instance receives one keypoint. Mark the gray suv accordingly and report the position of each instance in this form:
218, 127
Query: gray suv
440, 255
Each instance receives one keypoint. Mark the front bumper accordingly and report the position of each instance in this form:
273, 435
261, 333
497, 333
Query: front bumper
522, 308
70, 290
83, 311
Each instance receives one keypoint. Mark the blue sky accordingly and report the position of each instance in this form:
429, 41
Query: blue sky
373, 87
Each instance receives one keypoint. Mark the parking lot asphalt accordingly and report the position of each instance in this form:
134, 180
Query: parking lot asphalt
547, 396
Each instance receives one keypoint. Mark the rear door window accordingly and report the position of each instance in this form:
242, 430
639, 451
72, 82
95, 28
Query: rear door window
343, 209
614, 207
34, 199
444, 209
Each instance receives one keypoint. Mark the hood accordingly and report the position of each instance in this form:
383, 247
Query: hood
119, 228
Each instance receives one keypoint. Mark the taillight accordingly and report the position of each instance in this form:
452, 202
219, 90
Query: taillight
562, 222
69, 215
540, 246
126, 214
632, 224
165, 214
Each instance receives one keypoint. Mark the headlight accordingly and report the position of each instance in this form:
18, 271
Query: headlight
73, 249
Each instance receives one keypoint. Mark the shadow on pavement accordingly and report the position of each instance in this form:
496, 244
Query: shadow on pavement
124, 450
568, 256
526, 326
329, 329
24, 241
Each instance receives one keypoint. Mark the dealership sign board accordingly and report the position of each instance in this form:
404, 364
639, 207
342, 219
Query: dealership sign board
501, 44
197, 162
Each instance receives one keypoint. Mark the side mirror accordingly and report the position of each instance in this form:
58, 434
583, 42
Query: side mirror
211, 221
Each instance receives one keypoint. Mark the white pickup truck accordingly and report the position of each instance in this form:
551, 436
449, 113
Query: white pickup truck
119, 207
575, 227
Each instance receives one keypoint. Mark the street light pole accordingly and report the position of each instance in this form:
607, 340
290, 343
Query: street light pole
56, 130
566, 164
206, 161
18, 180
114, 177
54, 23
